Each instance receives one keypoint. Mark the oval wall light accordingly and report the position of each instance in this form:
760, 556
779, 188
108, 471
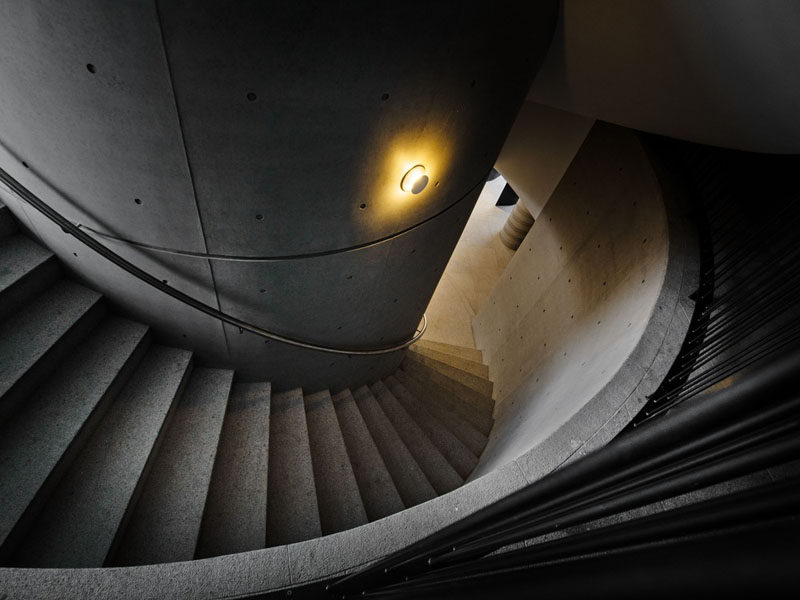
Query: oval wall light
414, 180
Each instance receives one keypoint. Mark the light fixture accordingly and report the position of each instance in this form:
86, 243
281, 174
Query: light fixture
414, 180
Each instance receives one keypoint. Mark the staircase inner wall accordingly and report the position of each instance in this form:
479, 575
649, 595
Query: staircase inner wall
567, 323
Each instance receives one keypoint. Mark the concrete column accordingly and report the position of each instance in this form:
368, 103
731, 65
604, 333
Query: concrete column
517, 226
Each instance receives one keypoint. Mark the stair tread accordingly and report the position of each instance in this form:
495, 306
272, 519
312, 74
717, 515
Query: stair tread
472, 367
26, 270
165, 523
235, 517
78, 525
19, 255
411, 482
466, 402
8, 224
37, 444
472, 354
35, 331
338, 497
465, 431
457, 454
292, 510
378, 492
480, 385
440, 473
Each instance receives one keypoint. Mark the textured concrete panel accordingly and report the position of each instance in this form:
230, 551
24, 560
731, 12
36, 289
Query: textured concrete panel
306, 136
94, 142
582, 311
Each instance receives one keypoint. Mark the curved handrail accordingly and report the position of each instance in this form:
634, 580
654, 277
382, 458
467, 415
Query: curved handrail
75, 230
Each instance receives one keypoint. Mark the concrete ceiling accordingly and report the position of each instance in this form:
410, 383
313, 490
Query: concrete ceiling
719, 72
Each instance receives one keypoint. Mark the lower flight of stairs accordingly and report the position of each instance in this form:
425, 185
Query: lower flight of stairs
116, 450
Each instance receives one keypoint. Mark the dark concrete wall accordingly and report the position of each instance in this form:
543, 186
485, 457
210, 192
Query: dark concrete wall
719, 72
272, 131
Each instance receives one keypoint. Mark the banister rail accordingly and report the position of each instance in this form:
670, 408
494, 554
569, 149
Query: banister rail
76, 231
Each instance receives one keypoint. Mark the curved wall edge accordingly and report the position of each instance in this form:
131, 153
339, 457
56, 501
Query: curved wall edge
282, 567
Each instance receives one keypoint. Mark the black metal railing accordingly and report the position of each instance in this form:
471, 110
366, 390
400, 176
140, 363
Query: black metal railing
743, 429
748, 302
559, 536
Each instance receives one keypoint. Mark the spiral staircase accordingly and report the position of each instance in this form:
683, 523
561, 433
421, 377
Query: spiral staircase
116, 450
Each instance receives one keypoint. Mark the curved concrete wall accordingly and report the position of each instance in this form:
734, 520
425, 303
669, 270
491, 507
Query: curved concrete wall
539, 148
330, 556
263, 130
576, 301
324, 558
720, 72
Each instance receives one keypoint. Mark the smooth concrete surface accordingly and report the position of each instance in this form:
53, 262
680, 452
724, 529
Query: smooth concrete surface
538, 150
86, 512
378, 491
39, 442
40, 335
583, 311
292, 508
718, 72
262, 131
475, 265
338, 496
165, 523
235, 516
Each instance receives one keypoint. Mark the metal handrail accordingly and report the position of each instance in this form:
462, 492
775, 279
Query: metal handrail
75, 230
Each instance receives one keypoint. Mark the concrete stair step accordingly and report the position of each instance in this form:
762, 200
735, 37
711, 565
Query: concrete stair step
441, 474
457, 454
338, 497
165, 523
42, 335
411, 482
41, 439
463, 364
8, 224
472, 406
292, 510
235, 517
26, 270
480, 385
378, 491
472, 354
465, 431
86, 513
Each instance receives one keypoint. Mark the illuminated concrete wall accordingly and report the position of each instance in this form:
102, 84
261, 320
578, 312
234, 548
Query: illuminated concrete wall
250, 155
590, 311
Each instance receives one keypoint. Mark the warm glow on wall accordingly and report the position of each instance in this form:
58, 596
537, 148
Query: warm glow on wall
414, 180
